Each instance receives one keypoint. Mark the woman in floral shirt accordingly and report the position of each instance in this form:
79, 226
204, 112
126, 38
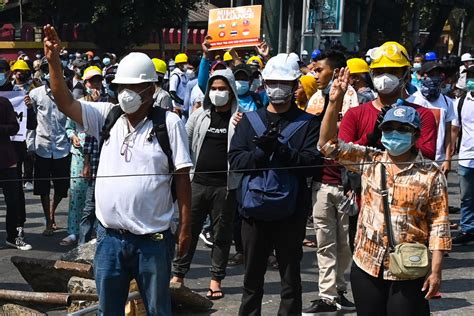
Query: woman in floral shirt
418, 203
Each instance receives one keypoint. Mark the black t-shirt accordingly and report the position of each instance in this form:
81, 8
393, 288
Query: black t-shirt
213, 153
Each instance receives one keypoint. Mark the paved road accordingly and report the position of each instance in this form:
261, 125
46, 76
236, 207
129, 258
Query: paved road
457, 287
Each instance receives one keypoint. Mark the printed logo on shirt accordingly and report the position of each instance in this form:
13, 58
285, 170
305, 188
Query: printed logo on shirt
214, 130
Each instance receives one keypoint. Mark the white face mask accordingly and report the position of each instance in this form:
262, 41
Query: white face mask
190, 73
279, 93
219, 98
129, 100
386, 83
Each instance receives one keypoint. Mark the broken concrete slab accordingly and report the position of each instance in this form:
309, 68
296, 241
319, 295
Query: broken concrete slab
81, 254
45, 275
9, 309
77, 285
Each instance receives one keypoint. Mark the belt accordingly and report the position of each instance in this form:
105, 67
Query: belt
155, 236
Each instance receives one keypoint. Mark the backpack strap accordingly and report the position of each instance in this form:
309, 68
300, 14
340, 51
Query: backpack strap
256, 98
460, 105
256, 122
112, 117
158, 116
294, 126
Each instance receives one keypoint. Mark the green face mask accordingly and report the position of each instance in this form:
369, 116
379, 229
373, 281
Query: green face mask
470, 84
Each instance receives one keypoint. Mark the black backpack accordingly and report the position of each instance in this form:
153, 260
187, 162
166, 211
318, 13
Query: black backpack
158, 116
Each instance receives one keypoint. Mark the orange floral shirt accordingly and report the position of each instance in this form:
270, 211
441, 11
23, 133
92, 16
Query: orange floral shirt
418, 200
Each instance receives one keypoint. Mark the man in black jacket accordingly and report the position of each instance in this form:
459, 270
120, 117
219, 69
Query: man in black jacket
251, 151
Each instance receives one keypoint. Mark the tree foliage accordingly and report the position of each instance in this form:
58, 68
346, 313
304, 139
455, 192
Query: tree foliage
116, 25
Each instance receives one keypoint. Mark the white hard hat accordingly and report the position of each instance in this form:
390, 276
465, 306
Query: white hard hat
467, 57
283, 67
135, 68
304, 53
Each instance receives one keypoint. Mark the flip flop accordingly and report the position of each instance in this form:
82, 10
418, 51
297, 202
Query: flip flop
68, 241
212, 297
49, 231
309, 243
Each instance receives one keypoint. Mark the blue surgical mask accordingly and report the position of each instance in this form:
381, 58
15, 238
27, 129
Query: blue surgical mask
64, 63
430, 87
470, 84
397, 143
111, 93
242, 87
447, 88
106, 61
256, 83
416, 66
3, 78
328, 87
88, 91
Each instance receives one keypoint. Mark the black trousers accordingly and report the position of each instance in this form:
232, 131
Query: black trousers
259, 239
379, 297
9, 185
221, 205
20, 149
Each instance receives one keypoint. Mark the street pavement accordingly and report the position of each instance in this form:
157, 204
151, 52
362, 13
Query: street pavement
457, 287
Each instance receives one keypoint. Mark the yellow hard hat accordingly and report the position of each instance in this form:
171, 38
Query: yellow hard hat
227, 56
390, 54
91, 71
160, 65
181, 58
20, 65
255, 59
357, 65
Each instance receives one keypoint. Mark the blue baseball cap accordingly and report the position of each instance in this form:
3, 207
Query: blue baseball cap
402, 114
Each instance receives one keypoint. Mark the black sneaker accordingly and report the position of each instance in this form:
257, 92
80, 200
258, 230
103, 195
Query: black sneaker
463, 239
342, 303
207, 238
319, 306
19, 244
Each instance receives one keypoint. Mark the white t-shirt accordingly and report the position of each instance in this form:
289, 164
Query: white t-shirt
443, 111
178, 82
466, 150
139, 204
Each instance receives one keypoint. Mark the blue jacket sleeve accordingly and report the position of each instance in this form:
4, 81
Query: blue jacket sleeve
203, 75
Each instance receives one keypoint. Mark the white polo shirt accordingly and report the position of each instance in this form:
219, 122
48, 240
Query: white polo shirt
466, 150
132, 190
443, 111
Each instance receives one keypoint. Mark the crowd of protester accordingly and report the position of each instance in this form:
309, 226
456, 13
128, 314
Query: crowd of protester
246, 151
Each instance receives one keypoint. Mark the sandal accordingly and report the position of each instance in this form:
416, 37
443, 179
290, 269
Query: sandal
273, 262
48, 231
236, 259
212, 297
309, 243
54, 226
69, 240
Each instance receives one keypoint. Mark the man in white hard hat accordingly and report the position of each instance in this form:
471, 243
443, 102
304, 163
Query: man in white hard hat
467, 60
278, 136
134, 240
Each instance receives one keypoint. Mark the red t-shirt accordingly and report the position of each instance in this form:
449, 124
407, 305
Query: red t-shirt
359, 121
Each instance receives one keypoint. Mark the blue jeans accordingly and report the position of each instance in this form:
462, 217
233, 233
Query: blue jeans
466, 182
86, 226
119, 258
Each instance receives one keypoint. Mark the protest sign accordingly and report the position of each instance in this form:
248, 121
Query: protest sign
17, 100
234, 27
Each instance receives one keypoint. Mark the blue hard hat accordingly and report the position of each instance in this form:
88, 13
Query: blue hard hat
431, 56
315, 54
402, 114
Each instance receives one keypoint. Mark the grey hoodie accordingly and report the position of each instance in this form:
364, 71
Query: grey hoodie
200, 120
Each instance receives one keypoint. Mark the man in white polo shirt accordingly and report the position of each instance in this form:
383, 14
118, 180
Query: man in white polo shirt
464, 111
134, 204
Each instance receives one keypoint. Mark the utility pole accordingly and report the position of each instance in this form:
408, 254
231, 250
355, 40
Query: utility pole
21, 13
416, 28
280, 29
184, 29
461, 36
290, 30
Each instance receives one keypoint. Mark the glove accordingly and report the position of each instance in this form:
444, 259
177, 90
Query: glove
268, 142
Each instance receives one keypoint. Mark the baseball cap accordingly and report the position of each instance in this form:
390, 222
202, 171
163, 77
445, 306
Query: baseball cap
402, 114
429, 66
243, 68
